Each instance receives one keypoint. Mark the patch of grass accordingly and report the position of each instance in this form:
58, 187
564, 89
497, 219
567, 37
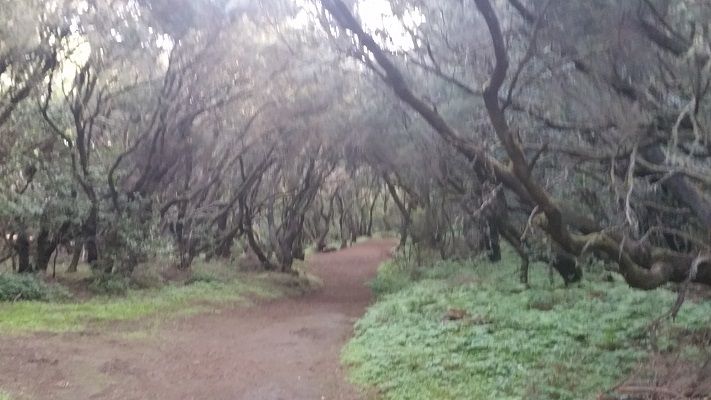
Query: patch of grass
111, 285
34, 316
391, 278
4, 396
202, 276
213, 271
546, 342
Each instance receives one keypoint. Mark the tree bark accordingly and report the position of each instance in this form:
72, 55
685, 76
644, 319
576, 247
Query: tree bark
45, 248
263, 259
386, 221
369, 227
22, 247
677, 184
404, 211
76, 256
342, 221
89, 233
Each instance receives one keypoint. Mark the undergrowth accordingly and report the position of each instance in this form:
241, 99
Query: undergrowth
33, 316
110, 285
546, 342
29, 304
16, 287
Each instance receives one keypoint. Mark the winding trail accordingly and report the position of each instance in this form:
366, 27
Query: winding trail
286, 349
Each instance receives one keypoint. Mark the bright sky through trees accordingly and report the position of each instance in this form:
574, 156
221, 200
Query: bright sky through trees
378, 18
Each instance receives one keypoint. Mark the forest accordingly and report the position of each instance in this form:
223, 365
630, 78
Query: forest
565, 141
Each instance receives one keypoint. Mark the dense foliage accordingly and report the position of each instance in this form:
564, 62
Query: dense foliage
131, 132
569, 129
467, 331
22, 287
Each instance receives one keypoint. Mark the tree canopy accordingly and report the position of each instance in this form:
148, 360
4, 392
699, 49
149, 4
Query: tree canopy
567, 130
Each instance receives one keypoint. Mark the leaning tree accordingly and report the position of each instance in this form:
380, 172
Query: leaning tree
574, 106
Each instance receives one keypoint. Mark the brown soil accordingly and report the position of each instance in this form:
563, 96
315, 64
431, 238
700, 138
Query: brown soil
668, 376
284, 349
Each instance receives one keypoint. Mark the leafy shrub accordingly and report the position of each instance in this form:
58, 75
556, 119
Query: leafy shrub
22, 287
548, 342
145, 277
131, 238
109, 284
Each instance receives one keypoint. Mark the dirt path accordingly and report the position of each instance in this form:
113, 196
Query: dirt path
285, 349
